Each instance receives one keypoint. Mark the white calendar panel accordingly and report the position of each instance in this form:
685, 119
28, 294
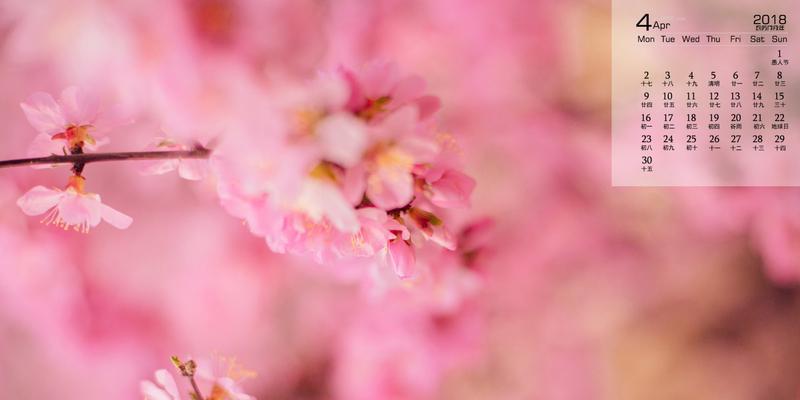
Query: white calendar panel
705, 93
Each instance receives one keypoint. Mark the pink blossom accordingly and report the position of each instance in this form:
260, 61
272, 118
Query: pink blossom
75, 120
390, 183
379, 87
452, 189
347, 173
443, 279
375, 230
71, 208
403, 143
190, 169
322, 122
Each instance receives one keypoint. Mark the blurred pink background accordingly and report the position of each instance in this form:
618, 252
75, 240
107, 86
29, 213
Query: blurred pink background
585, 291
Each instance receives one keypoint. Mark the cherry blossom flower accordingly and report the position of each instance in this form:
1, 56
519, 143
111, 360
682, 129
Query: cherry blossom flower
190, 169
448, 188
441, 279
403, 143
342, 138
362, 172
321, 122
72, 207
379, 88
219, 380
215, 382
74, 121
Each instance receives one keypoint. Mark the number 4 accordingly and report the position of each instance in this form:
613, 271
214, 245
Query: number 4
644, 22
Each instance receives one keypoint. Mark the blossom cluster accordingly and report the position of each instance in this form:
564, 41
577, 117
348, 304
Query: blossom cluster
349, 168
362, 171
359, 169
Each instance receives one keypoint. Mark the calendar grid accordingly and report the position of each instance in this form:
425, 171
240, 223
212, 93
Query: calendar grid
694, 106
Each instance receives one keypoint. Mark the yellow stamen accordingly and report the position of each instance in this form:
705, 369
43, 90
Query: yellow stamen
306, 120
374, 107
357, 241
236, 371
323, 171
52, 217
394, 157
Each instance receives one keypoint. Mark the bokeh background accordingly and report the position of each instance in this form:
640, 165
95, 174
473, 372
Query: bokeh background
587, 291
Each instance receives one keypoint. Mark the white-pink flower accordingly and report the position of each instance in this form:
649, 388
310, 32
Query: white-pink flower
74, 120
215, 382
402, 143
379, 87
71, 208
359, 170
191, 169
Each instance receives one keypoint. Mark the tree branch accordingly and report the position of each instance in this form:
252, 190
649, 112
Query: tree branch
197, 152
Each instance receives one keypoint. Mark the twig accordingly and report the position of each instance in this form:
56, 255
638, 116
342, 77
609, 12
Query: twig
188, 369
198, 152
196, 388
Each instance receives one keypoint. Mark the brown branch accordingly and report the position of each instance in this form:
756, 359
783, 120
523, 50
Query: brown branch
196, 388
197, 152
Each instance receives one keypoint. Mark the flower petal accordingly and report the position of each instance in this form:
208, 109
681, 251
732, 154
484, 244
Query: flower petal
453, 190
329, 91
407, 89
424, 149
400, 256
391, 184
343, 138
77, 209
372, 236
110, 118
394, 225
159, 167
193, 169
166, 381
441, 236
39, 199
78, 108
42, 146
377, 79
427, 106
114, 217
320, 199
44, 114
354, 183
97, 143
152, 392
398, 124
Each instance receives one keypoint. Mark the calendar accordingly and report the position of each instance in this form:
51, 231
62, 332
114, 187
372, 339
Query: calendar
704, 93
